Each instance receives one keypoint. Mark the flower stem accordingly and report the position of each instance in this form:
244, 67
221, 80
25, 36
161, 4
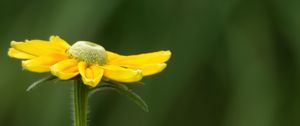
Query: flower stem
80, 101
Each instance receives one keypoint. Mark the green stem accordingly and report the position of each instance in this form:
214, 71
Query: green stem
80, 97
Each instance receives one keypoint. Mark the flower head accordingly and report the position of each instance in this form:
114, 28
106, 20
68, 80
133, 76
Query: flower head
87, 59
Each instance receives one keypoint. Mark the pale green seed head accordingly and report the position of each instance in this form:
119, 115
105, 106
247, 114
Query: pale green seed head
89, 52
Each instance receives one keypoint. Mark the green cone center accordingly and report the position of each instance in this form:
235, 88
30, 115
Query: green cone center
89, 52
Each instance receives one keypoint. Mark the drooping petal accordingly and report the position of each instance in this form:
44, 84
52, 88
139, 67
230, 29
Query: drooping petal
40, 47
122, 74
18, 54
91, 74
149, 63
146, 58
65, 69
43, 63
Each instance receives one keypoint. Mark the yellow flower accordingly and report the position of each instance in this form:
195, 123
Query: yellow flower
88, 59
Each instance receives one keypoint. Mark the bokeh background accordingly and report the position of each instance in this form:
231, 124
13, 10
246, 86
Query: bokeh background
234, 62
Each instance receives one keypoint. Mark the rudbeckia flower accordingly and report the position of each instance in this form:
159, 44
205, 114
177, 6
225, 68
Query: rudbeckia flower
87, 59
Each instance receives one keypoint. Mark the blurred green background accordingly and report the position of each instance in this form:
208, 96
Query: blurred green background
234, 62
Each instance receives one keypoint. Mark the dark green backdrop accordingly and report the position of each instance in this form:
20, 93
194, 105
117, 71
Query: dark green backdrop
234, 62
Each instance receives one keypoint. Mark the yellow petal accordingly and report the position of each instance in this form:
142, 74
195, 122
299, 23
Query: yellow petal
19, 55
59, 42
91, 74
121, 74
150, 69
146, 58
149, 63
40, 47
113, 56
43, 63
65, 69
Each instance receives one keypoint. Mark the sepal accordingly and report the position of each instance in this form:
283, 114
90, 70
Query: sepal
123, 90
40, 81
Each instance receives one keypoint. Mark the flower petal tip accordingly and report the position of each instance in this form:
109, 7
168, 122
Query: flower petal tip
13, 53
168, 53
91, 83
12, 43
54, 37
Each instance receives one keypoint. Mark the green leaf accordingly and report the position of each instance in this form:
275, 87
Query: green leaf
40, 81
123, 90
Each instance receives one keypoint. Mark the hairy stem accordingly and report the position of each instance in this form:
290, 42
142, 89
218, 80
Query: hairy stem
80, 101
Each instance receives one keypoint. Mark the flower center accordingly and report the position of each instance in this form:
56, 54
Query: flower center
89, 52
